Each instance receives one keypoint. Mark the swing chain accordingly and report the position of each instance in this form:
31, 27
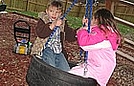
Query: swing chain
85, 68
95, 3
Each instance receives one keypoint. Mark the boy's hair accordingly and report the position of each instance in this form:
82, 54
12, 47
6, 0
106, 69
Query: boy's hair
56, 3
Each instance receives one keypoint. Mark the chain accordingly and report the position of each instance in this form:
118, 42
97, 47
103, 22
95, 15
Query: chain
85, 68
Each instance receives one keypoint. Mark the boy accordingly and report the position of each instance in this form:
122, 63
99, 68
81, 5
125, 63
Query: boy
53, 52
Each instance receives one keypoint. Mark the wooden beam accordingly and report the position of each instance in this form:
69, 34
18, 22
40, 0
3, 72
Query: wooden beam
127, 2
124, 22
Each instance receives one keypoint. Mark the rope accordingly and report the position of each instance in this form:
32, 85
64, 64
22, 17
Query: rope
64, 15
68, 10
88, 15
89, 2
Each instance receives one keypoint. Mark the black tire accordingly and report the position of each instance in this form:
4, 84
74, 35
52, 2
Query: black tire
41, 74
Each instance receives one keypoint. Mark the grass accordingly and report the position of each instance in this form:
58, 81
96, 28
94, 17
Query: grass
125, 29
76, 22
28, 13
73, 22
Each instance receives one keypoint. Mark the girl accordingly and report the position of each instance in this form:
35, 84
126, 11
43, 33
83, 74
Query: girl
101, 44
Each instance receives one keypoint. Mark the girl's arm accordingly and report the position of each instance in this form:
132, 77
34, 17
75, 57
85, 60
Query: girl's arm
95, 36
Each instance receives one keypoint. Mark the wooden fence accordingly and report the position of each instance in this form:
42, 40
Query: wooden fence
125, 10
122, 10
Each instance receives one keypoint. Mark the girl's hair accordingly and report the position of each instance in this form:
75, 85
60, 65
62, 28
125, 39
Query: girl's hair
106, 19
56, 3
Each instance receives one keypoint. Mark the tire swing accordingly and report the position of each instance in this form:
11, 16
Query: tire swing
40, 73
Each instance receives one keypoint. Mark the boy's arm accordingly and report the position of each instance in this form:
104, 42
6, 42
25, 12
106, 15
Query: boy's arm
70, 33
42, 29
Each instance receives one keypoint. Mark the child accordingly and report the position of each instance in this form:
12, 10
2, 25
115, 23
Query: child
53, 53
101, 44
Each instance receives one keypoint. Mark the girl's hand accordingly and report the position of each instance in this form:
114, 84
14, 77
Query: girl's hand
85, 21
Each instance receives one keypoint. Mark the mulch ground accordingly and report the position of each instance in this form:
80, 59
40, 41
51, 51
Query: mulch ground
13, 67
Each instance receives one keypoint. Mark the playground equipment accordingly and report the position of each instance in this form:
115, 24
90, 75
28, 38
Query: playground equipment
2, 6
22, 37
42, 74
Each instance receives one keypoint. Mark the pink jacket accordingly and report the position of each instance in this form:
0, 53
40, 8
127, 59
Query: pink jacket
101, 54
96, 36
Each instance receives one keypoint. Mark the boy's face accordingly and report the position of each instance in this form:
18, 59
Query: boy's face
53, 12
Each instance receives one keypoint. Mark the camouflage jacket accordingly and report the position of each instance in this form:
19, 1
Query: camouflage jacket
43, 32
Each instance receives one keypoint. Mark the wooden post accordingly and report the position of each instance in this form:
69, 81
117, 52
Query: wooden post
79, 10
65, 6
27, 5
110, 5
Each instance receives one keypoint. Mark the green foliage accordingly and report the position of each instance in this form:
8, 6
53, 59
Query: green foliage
125, 30
74, 22
33, 14
28, 13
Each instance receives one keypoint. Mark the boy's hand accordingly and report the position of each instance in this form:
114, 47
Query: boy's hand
55, 23
58, 22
